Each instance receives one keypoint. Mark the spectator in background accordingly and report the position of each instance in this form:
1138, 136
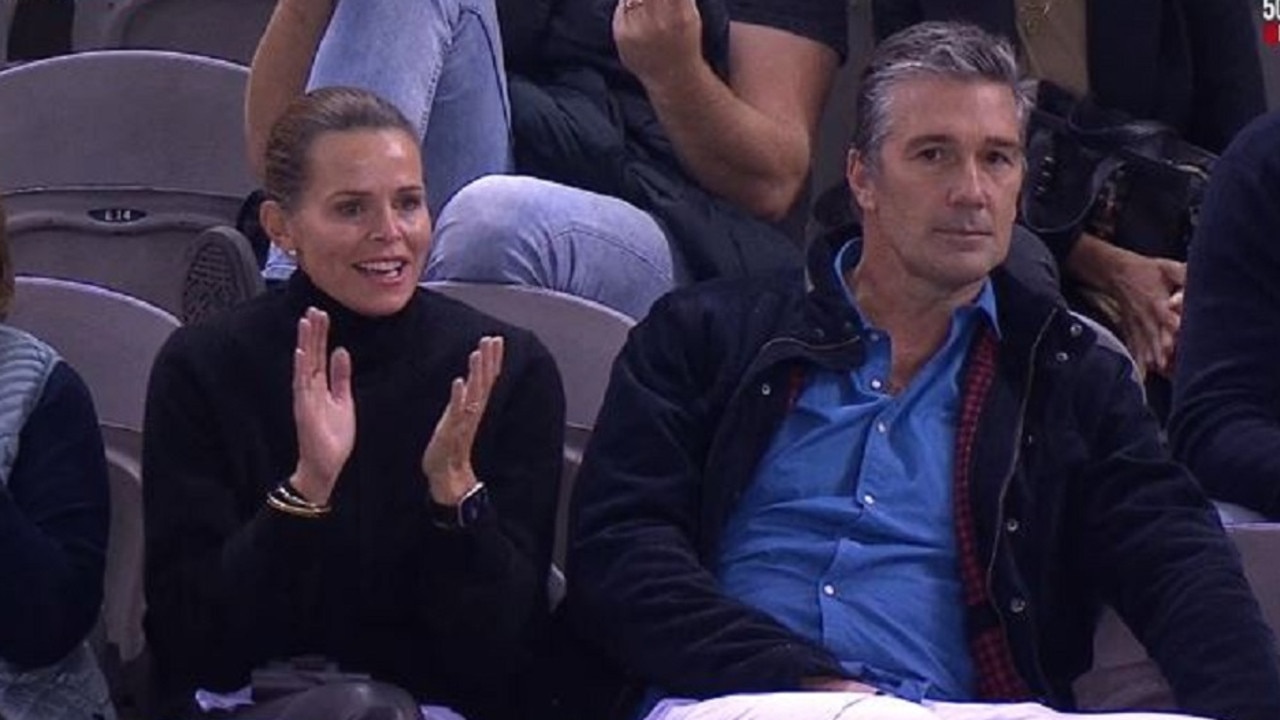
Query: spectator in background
904, 473
1226, 416
320, 479
671, 137
53, 530
1190, 64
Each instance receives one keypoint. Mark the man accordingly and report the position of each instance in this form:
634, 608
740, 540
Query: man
1189, 64
667, 138
906, 474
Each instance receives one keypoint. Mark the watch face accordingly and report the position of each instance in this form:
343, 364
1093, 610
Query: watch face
473, 506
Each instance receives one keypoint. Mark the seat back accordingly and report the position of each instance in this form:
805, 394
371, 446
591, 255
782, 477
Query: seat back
584, 337
112, 341
185, 26
125, 118
109, 338
165, 247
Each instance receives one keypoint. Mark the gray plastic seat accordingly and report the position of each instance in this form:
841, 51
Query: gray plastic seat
130, 118
112, 341
227, 29
112, 164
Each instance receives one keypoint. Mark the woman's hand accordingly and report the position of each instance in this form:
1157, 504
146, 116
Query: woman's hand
447, 459
323, 409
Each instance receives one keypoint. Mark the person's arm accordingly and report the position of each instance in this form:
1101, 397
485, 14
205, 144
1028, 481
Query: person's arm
637, 588
280, 68
483, 595
1141, 288
53, 527
228, 578
1227, 88
749, 140
1157, 553
1225, 422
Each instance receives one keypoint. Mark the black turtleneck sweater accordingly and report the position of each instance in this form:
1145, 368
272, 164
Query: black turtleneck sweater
450, 615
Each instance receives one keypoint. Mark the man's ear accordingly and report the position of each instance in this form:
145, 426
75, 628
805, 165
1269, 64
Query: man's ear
276, 222
858, 175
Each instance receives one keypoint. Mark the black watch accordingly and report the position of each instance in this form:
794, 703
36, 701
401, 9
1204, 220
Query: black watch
466, 513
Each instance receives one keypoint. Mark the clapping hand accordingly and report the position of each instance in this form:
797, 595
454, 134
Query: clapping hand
447, 459
323, 409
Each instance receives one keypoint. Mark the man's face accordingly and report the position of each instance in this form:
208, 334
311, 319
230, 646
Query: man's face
938, 208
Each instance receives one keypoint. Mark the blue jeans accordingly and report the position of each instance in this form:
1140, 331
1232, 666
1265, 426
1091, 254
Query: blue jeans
440, 62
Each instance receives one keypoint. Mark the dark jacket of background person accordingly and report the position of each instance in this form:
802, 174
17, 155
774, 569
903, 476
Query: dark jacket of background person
1190, 64
1074, 500
53, 535
449, 615
1226, 415
580, 118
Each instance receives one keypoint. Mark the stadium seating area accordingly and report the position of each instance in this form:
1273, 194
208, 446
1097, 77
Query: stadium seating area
122, 168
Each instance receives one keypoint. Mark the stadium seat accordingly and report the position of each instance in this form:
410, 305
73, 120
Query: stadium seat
112, 164
584, 337
111, 340
227, 29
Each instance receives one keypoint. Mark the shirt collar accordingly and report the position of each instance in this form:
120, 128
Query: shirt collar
851, 252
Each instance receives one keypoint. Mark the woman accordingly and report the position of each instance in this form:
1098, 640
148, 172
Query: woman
309, 477
53, 529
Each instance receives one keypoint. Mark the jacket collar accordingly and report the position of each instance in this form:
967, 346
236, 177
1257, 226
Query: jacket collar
1021, 311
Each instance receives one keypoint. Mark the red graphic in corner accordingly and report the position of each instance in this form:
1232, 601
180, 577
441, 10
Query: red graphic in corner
1271, 22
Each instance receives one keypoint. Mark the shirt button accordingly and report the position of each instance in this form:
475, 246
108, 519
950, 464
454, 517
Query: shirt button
881, 427
1017, 605
869, 499
1029, 439
829, 590
1061, 357
766, 390
1012, 525
876, 384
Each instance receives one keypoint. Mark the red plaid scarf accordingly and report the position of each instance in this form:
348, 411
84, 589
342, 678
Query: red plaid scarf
998, 677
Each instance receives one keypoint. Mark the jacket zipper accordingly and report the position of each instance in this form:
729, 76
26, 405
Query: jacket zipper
1004, 491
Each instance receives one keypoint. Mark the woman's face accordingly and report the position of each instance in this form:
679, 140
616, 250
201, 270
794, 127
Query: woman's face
360, 229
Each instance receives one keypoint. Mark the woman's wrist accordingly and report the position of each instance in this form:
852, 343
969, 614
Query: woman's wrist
449, 488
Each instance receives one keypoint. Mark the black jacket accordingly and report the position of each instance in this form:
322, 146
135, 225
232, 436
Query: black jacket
450, 616
1190, 64
1075, 502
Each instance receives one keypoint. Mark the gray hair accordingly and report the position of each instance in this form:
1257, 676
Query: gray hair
931, 49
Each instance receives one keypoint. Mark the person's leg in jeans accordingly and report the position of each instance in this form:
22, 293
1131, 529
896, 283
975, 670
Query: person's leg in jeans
526, 231
440, 63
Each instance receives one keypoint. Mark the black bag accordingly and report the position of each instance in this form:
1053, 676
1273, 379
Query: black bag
1134, 183
282, 678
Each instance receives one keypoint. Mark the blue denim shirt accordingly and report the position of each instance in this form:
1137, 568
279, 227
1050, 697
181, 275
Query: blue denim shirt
846, 536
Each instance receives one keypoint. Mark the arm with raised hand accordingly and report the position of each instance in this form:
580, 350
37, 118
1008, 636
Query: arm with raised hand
280, 68
749, 139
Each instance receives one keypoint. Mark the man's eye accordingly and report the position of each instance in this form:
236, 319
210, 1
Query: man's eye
1000, 158
932, 154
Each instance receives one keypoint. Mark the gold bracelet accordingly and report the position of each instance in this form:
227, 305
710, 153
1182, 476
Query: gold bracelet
291, 496
295, 510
